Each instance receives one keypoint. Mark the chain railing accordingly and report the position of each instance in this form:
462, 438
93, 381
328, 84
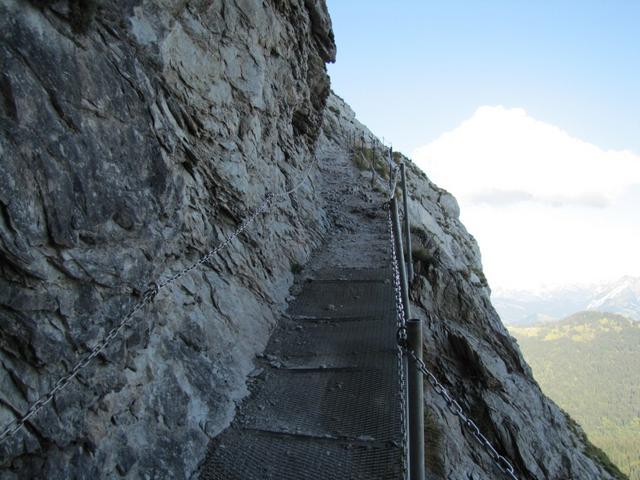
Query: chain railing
454, 407
394, 170
402, 333
452, 404
147, 298
13, 427
403, 352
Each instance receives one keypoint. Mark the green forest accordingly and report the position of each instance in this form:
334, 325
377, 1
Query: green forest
589, 364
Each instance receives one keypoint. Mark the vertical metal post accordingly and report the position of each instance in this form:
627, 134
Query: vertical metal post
374, 150
414, 341
407, 228
416, 403
389, 160
397, 233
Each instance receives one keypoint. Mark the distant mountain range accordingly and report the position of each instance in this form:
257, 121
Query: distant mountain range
518, 307
588, 364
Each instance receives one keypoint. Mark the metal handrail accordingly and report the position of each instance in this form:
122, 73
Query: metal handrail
415, 379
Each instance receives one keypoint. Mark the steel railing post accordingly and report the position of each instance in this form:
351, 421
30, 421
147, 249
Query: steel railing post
397, 233
414, 342
390, 163
407, 227
416, 402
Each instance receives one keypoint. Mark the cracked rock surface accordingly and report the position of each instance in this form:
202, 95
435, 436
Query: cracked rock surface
467, 346
126, 154
324, 401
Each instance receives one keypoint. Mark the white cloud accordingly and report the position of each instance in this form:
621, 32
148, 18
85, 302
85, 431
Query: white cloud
545, 207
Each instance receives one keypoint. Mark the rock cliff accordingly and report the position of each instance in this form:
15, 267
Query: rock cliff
126, 154
468, 347
136, 136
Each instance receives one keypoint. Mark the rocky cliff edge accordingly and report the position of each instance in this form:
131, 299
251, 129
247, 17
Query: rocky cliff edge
127, 152
465, 343
134, 137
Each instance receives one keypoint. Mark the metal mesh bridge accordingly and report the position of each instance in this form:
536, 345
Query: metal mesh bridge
327, 403
329, 400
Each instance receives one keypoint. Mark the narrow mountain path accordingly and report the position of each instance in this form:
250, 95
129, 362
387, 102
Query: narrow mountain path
325, 402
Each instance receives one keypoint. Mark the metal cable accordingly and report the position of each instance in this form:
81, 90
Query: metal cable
148, 296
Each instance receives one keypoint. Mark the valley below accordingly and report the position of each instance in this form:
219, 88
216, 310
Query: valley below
588, 363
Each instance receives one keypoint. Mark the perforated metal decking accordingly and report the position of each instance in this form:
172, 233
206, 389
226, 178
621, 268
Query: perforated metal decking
327, 404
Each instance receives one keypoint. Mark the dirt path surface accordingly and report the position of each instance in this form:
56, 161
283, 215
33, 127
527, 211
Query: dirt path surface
324, 401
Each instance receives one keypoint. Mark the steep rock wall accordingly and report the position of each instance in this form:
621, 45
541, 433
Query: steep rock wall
126, 153
467, 346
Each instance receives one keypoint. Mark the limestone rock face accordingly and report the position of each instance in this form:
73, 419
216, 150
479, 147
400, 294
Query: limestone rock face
130, 151
126, 154
467, 347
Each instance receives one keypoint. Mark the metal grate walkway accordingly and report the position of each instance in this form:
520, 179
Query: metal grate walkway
327, 403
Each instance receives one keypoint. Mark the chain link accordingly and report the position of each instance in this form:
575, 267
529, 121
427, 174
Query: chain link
147, 297
393, 170
221, 246
402, 337
62, 382
454, 407
452, 404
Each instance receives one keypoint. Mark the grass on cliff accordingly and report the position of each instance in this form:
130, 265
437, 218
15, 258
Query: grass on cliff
365, 157
360, 162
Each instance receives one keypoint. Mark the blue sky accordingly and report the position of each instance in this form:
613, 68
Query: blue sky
415, 69
527, 111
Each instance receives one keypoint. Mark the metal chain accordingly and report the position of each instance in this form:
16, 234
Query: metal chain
18, 423
454, 407
392, 181
221, 246
147, 298
402, 336
149, 295
387, 181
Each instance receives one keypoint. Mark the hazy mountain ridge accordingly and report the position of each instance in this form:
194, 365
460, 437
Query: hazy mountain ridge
521, 307
588, 364
623, 297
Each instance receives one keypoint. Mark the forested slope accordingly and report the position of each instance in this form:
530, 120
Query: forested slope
589, 363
